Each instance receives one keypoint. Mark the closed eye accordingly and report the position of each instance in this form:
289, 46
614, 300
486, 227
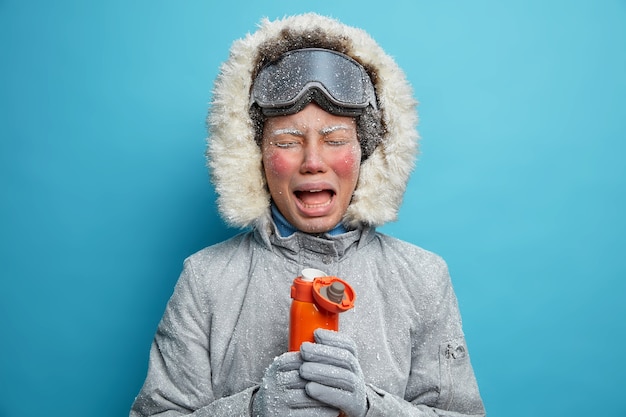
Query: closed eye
286, 144
336, 142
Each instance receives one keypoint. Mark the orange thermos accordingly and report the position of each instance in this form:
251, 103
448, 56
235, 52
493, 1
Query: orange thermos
317, 301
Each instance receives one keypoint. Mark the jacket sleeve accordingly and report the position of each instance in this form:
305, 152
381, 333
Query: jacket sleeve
382, 404
179, 370
441, 381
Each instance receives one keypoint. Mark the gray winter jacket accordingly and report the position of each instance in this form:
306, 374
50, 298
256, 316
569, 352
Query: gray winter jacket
228, 319
228, 316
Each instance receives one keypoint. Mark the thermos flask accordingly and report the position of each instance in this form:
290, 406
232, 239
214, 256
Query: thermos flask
317, 301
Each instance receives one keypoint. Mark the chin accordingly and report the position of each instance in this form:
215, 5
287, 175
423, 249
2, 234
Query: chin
317, 226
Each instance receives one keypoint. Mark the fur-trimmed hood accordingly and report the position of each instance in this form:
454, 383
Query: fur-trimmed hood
234, 158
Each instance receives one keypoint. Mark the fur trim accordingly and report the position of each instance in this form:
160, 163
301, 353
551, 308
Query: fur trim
234, 158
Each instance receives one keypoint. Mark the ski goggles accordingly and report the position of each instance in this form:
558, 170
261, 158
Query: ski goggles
337, 82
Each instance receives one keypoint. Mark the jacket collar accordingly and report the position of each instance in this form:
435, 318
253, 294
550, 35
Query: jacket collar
314, 250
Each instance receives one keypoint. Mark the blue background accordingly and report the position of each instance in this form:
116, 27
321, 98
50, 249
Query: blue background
520, 186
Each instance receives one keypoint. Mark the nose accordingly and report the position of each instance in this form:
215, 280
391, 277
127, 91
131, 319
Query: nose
313, 160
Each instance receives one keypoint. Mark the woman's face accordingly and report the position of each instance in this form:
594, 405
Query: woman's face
311, 161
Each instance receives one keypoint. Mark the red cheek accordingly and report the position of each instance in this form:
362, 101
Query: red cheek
347, 163
279, 164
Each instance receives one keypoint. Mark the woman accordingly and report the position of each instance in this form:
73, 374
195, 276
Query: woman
312, 140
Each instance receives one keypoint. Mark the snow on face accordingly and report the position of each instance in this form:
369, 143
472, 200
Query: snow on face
311, 161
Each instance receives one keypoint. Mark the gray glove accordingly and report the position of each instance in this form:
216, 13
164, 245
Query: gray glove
334, 372
282, 394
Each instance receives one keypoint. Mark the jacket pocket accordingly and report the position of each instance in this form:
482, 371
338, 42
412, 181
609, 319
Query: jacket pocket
459, 390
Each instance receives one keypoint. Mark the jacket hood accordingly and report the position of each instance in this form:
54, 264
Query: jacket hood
234, 158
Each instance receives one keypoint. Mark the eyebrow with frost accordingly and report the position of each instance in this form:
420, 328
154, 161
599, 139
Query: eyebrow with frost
296, 132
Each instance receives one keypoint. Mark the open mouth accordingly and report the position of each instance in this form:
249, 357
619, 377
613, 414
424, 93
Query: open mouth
315, 198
